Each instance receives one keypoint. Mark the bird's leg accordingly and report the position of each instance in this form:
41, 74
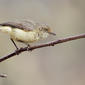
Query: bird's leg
14, 43
28, 46
15, 46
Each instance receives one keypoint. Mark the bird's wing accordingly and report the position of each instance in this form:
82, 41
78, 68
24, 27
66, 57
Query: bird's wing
24, 25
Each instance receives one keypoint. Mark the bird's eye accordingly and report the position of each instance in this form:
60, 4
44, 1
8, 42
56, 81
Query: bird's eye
46, 29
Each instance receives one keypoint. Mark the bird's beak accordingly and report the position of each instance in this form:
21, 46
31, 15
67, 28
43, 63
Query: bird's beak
52, 33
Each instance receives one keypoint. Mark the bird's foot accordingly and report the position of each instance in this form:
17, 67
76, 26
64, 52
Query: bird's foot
28, 46
17, 51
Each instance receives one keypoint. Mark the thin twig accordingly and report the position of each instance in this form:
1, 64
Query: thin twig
3, 75
42, 45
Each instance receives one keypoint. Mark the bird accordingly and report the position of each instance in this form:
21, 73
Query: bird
26, 31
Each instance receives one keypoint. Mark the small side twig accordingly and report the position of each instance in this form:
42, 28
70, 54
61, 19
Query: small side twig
42, 45
3, 75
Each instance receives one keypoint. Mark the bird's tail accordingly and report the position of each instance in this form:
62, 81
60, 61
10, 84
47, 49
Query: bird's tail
5, 29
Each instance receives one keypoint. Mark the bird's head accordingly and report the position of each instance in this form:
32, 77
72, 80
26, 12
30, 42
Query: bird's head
45, 28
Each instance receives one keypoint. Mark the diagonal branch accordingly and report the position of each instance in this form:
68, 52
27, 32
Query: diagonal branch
42, 45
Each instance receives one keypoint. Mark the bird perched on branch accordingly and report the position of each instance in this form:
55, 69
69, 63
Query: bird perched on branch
26, 31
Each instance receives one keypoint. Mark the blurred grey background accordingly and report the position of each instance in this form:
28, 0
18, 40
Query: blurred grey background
63, 64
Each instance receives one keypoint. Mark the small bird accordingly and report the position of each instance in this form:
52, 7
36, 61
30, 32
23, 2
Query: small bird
26, 31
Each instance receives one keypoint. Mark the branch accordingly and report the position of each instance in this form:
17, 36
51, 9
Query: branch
3, 75
42, 45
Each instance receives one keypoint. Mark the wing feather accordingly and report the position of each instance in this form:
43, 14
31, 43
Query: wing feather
25, 25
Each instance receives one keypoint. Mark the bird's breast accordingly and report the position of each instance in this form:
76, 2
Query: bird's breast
24, 36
